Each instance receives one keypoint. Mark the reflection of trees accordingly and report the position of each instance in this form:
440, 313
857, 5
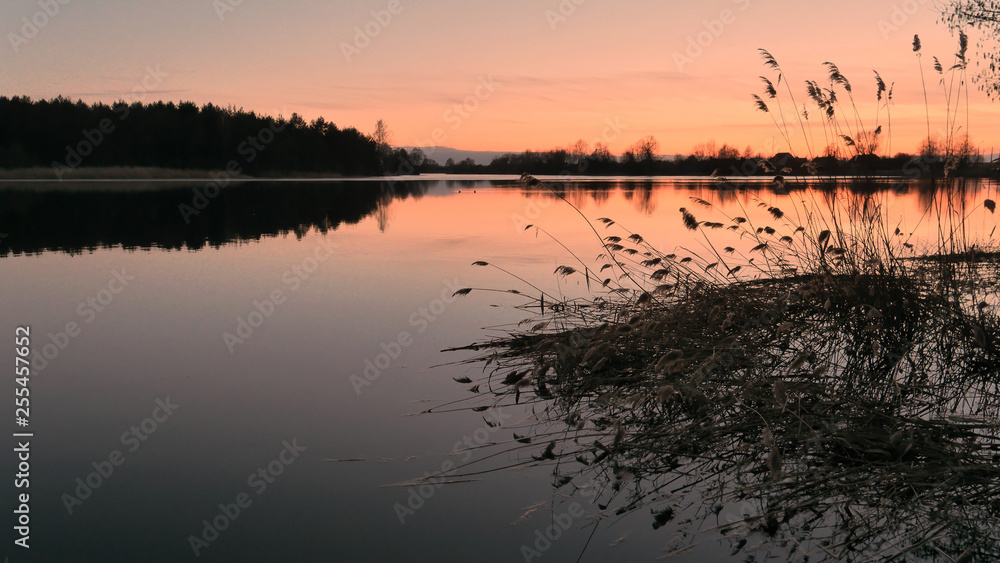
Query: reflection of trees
382, 204
950, 203
640, 194
600, 196
75, 221
725, 191
578, 193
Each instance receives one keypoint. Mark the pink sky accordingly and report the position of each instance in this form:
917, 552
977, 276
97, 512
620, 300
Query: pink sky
532, 74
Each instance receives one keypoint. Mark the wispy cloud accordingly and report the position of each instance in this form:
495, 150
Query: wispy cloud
150, 94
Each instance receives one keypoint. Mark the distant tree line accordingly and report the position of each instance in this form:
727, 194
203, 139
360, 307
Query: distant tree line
63, 134
641, 159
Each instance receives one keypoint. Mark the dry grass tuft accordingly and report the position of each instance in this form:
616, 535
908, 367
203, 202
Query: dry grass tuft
834, 400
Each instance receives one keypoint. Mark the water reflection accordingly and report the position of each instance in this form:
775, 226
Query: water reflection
78, 221
725, 191
37, 218
292, 377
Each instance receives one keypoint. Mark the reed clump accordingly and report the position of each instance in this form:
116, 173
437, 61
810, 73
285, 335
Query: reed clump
849, 136
818, 391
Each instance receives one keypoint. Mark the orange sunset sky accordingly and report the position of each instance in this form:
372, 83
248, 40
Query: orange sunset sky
530, 74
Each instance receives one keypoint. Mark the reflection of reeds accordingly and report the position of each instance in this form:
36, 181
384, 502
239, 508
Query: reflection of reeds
848, 394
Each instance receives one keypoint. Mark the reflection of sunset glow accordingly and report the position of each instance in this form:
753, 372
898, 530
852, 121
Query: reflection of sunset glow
483, 223
682, 72
394, 251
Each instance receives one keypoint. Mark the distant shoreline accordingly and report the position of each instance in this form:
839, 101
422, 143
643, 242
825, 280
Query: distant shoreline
124, 178
152, 173
149, 178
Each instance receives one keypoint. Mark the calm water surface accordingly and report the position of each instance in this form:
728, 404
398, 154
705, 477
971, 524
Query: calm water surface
231, 367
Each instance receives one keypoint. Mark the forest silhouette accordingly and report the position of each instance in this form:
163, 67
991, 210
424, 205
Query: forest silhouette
63, 136
66, 135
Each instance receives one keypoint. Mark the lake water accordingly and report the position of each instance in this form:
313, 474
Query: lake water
243, 381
